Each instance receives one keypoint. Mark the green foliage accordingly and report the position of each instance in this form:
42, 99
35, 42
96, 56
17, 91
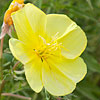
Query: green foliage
86, 13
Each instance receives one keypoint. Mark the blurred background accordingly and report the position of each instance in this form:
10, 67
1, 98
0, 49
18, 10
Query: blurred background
86, 13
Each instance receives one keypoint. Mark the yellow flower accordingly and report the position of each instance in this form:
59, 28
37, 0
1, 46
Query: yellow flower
49, 46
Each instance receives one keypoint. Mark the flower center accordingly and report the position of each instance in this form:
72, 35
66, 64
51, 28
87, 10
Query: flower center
48, 49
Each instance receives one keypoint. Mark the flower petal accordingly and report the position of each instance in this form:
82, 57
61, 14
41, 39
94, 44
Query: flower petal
20, 51
57, 24
55, 82
29, 22
34, 74
74, 43
68, 33
74, 69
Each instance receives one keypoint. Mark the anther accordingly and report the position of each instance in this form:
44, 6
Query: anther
41, 59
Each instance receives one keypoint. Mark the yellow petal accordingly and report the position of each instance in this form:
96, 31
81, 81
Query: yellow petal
37, 18
29, 22
57, 24
68, 33
34, 74
20, 51
55, 82
74, 69
74, 43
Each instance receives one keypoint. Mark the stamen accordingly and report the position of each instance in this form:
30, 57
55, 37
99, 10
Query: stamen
48, 49
64, 48
44, 41
55, 36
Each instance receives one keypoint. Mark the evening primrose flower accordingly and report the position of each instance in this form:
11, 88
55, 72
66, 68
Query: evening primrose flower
49, 46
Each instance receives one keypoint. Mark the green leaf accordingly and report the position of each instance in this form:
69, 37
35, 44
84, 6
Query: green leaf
90, 4
19, 72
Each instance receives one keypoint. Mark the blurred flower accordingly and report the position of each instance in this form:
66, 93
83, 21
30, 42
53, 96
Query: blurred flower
49, 46
14, 6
